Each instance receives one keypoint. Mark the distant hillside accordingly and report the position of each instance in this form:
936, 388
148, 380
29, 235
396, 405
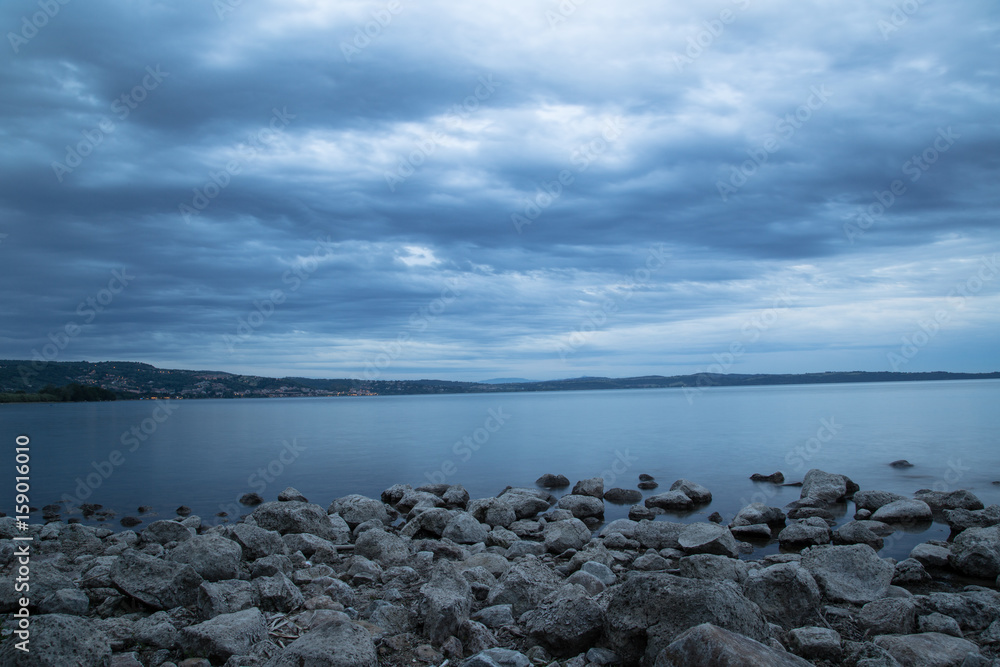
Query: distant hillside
128, 379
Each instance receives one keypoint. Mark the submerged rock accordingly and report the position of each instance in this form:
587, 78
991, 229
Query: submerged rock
550, 481
773, 478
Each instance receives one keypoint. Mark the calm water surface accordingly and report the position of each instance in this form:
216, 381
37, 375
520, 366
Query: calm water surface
206, 453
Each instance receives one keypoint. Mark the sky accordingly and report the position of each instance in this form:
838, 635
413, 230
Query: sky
464, 191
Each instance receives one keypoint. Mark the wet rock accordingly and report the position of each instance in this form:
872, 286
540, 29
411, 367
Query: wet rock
904, 511
786, 592
647, 485
872, 500
773, 478
640, 512
130, 521
708, 645
949, 500
183, 510
562, 535
225, 635
961, 519
623, 496
707, 538
909, 572
851, 573
805, 532
249, 499
294, 517
826, 487
973, 609
567, 621
446, 602
355, 509
163, 531
698, 494
464, 529
930, 649
857, 533
670, 500
493, 511
643, 477
755, 533
976, 552
338, 643
291, 493
589, 487
550, 481
583, 506
155, 582
901, 463
931, 555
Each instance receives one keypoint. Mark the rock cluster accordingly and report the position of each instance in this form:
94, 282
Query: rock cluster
427, 575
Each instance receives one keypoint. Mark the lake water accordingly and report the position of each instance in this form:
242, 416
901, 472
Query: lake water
207, 453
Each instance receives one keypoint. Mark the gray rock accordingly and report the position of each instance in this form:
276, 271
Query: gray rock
446, 602
714, 567
429, 522
256, 541
225, 635
773, 478
567, 621
384, 548
707, 538
758, 513
550, 481
931, 555
961, 519
338, 643
927, 649
658, 534
850, 573
273, 564
889, 616
163, 531
70, 601
621, 496
589, 487
456, 496
58, 640
419, 499
501, 537
976, 552
759, 532
393, 619
495, 564
496, 616
602, 656
825, 487
589, 582
805, 532
312, 547
698, 494
497, 657
708, 645
641, 512
291, 493
670, 500
524, 585
973, 609
582, 506
601, 571
155, 582
464, 529
493, 511
786, 592
874, 500
908, 572
936, 622
476, 637
355, 509
651, 562
625, 527
294, 517
277, 593
524, 548
815, 643
212, 556
949, 500
156, 631
854, 532
395, 493
648, 611
225, 597
525, 505
562, 535
904, 511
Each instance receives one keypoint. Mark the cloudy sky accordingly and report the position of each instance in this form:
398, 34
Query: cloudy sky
528, 189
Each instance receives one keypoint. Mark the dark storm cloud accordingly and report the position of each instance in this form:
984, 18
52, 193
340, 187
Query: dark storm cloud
519, 171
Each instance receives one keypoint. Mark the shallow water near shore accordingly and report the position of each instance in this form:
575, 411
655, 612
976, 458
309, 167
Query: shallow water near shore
206, 453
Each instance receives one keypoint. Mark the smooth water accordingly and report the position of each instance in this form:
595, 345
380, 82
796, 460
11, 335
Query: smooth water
207, 453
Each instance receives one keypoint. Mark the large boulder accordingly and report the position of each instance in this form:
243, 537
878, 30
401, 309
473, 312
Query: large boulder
708, 645
562, 535
805, 532
976, 552
816, 643
225, 635
524, 585
355, 509
889, 616
164, 532
550, 481
582, 506
446, 602
225, 597
854, 532
525, 502
464, 529
961, 519
429, 522
337, 643
959, 499
256, 541
589, 487
758, 513
708, 538
294, 517
384, 548
904, 511
567, 621
212, 556
649, 610
698, 494
710, 566
155, 582
927, 649
872, 500
658, 534
58, 640
826, 487
974, 610
621, 496
670, 500
493, 511
849, 573
786, 592
277, 593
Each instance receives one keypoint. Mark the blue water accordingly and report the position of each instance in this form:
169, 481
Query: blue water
207, 453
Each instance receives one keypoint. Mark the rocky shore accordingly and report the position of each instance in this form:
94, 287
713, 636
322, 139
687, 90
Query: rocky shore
429, 576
